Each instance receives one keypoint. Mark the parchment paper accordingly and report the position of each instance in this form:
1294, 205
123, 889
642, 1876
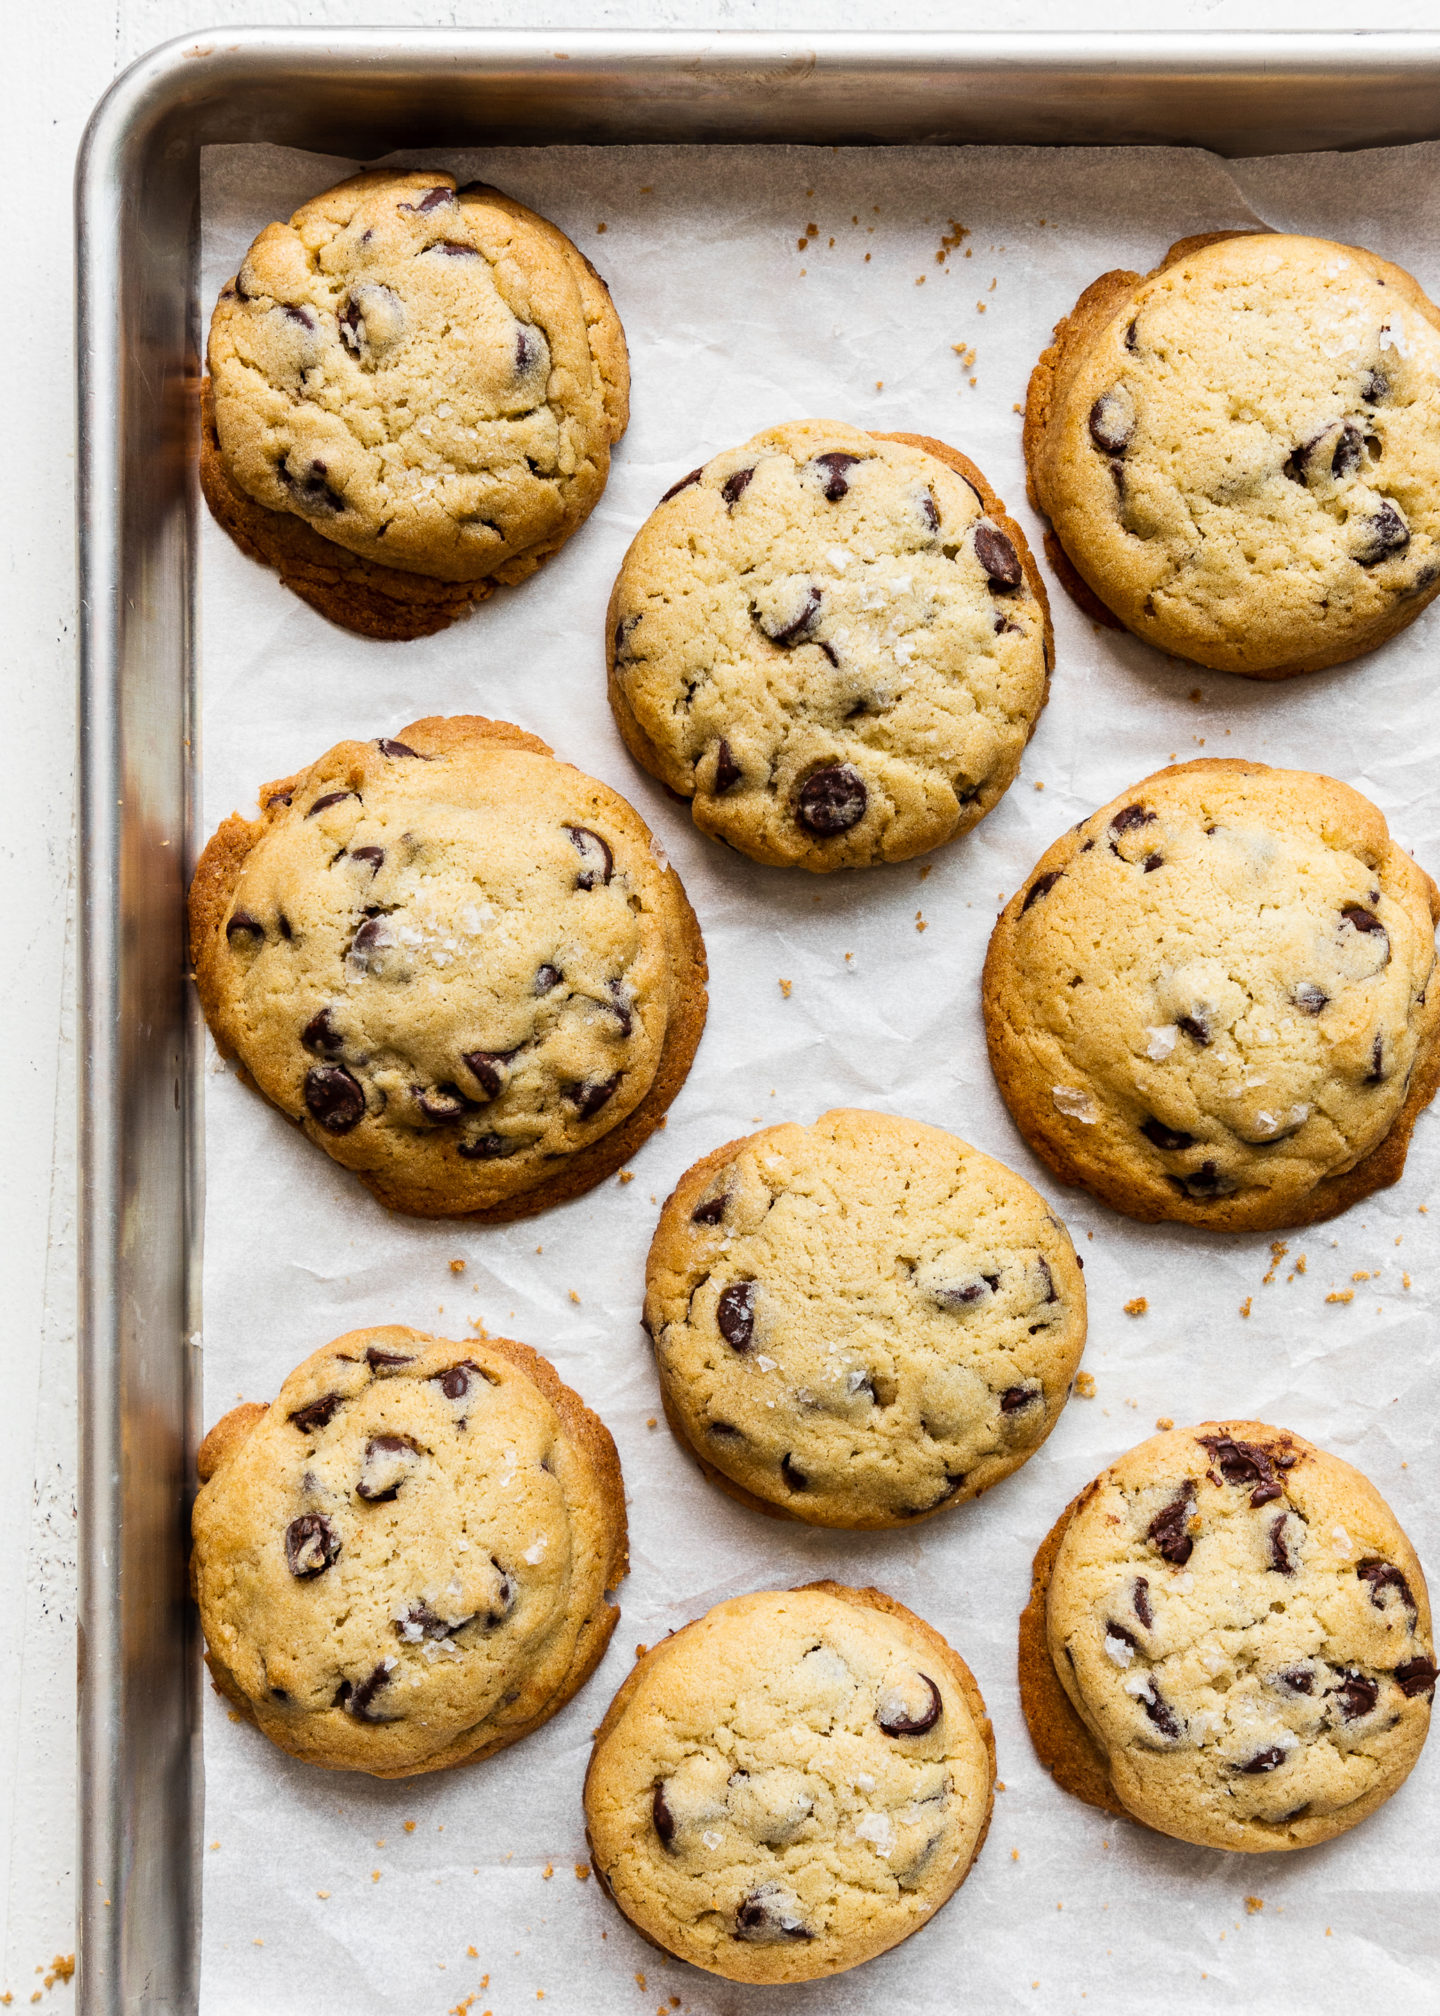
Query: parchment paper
319, 1899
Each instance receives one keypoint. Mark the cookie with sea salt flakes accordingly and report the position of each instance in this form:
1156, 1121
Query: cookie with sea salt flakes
459, 965
413, 394
790, 1785
1239, 453
861, 1322
835, 644
403, 1562
1229, 1639
1214, 1000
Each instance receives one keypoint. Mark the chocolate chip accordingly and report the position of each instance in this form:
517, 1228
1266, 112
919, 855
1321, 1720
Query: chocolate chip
597, 863
330, 798
770, 1915
588, 1097
378, 1360
1374, 386
1111, 427
735, 1314
1298, 1679
623, 632
1264, 1760
711, 1211
1367, 922
1309, 998
1016, 1397
620, 1007
431, 200
1160, 1712
1152, 862
724, 1431
1385, 534
735, 486
368, 945
442, 1102
834, 465
1140, 1598
334, 1098
1376, 1074
727, 770
1281, 1559
1131, 336
1114, 1630
300, 315
1244, 1463
794, 1478
832, 800
799, 629
683, 484
895, 1718
311, 1545
529, 349
374, 855
1347, 450
930, 512
454, 1381
389, 1459
420, 1622
547, 979
314, 491
482, 1148
1168, 1531
388, 747
317, 1414
661, 1818
1172, 1139
997, 556
485, 1067
242, 925
1383, 1575
452, 248
1131, 816
1416, 1676
360, 1700
1355, 1696
1041, 886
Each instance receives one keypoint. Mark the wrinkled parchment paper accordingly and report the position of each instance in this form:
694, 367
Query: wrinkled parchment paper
330, 1895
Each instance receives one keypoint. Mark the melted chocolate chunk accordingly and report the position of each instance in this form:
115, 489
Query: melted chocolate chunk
661, 1818
795, 1479
1385, 535
330, 798
420, 1622
1348, 448
529, 348
454, 1381
1207, 1181
375, 856
389, 1459
727, 770
315, 492
597, 862
1111, 428
961, 1294
832, 800
930, 512
589, 1097
1264, 1760
242, 925
1196, 1028
893, 1713
1140, 1599
724, 1431
443, 1102
1355, 1696
316, 1414
1416, 1676
360, 1700
1362, 919
1152, 862
311, 1545
1172, 1139
735, 1314
711, 1211
547, 979
1374, 386
770, 1915
431, 200
797, 631
735, 486
379, 1361
1132, 336
1016, 1397
997, 556
683, 484
333, 1098
1131, 816
835, 465
1299, 1679
620, 1007
453, 248
1382, 1575
1160, 1712
1309, 998
1281, 1559
1244, 1463
482, 1148
484, 1067
1041, 886
1376, 1074
389, 747
1168, 1531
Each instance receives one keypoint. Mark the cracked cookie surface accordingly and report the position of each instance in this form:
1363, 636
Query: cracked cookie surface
1244, 1632
1240, 452
861, 1322
460, 965
403, 1563
792, 1784
429, 377
835, 644
1214, 999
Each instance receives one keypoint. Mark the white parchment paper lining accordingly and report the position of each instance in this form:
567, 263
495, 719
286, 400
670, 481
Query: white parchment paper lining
331, 1895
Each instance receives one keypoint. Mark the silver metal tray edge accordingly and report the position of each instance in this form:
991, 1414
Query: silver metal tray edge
362, 93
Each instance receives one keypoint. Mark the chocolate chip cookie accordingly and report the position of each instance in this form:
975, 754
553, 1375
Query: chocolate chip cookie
835, 644
1240, 452
1228, 1638
792, 1784
1214, 1000
403, 1562
861, 1322
413, 394
462, 967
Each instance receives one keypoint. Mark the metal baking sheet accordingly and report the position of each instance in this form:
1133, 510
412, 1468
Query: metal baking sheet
361, 95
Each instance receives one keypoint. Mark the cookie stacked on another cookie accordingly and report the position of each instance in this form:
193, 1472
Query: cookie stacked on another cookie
403, 1562
792, 1784
460, 965
1229, 1639
1214, 999
1240, 452
413, 394
835, 644
861, 1322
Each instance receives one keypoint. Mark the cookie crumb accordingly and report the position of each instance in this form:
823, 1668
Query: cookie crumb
640, 1651
457, 1266
879, 384
920, 924
1341, 1295
1038, 785
627, 1176
1137, 1306
639, 1980
374, 1878
1404, 1280
926, 870
1300, 1264
573, 1296
999, 1784
322, 1895
547, 1872
582, 1872
1085, 1385
1254, 1904
1015, 1857
651, 1423
1361, 1276
1245, 1305
1164, 1421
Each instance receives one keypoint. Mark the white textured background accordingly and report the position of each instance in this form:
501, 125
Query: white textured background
55, 62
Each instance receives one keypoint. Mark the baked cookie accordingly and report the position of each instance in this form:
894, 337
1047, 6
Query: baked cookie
790, 1785
1240, 452
1228, 1638
462, 967
835, 644
861, 1322
403, 1562
413, 394
1213, 999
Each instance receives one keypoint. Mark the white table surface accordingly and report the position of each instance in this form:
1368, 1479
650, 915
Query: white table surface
55, 62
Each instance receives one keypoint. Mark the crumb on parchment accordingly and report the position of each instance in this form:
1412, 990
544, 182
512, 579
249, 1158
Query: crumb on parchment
1245, 1305
1136, 1306
1085, 1385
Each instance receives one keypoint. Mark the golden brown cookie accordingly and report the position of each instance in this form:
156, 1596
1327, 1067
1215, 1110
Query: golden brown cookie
458, 964
404, 1562
792, 1784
